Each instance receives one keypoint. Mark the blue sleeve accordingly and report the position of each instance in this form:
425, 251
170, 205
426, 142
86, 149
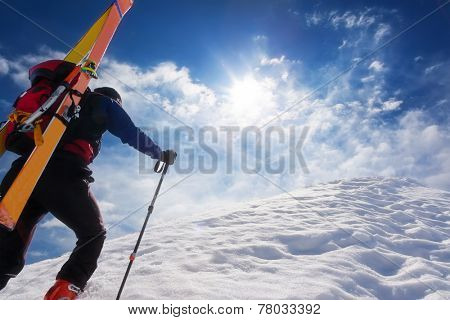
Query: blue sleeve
120, 124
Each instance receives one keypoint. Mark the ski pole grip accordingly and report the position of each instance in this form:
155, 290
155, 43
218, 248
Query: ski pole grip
161, 167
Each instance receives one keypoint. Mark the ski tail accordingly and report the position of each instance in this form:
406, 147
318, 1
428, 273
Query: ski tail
87, 54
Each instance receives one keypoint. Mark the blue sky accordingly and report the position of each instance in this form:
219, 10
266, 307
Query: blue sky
241, 63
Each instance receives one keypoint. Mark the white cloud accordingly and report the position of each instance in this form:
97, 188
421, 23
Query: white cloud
352, 20
418, 58
18, 69
343, 44
391, 104
165, 85
376, 66
52, 223
432, 68
367, 22
313, 19
381, 151
368, 79
294, 12
382, 31
4, 66
348, 19
260, 38
38, 254
274, 61
106, 207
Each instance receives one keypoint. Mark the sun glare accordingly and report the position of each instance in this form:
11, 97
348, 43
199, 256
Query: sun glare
245, 92
248, 97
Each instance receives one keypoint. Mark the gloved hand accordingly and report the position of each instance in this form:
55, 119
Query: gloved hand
168, 156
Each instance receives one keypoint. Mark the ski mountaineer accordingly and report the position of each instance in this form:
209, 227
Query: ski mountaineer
63, 190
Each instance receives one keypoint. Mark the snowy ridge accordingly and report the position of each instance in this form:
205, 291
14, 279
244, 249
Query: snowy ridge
367, 238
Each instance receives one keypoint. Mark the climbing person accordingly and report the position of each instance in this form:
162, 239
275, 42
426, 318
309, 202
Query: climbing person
64, 191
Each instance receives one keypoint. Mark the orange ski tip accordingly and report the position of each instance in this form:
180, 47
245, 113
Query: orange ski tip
5, 218
124, 5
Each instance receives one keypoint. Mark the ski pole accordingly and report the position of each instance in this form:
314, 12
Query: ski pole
157, 169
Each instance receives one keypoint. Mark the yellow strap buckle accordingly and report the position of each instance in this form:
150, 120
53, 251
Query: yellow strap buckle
20, 117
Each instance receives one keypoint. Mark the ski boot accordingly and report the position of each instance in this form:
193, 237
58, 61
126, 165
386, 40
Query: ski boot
63, 290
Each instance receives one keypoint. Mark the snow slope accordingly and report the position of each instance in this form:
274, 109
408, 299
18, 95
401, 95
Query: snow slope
364, 238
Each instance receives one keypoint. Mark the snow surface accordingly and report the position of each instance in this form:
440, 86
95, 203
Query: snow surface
368, 238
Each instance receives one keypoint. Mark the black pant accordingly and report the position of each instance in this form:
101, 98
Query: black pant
62, 190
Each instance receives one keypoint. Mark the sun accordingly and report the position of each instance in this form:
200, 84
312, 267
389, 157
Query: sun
245, 92
246, 96
249, 98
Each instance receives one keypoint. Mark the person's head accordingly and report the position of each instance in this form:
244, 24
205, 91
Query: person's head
110, 93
